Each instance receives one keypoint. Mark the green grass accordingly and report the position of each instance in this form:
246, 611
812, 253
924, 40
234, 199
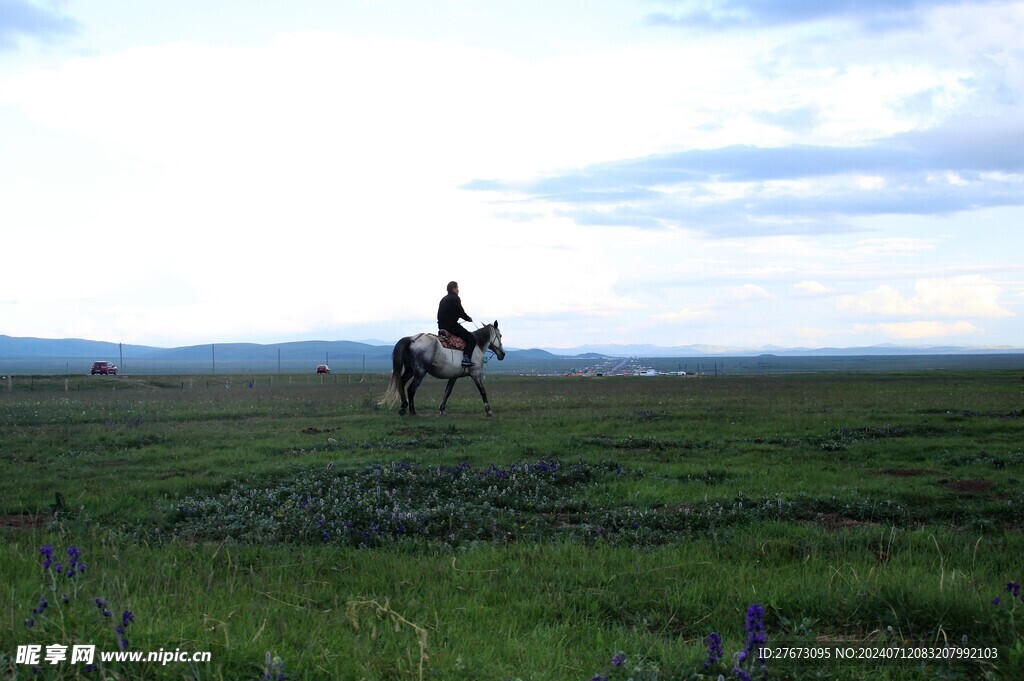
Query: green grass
298, 519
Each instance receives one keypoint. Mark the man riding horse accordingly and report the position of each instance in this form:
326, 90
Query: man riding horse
449, 312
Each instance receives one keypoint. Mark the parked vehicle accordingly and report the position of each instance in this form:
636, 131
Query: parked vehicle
104, 368
323, 369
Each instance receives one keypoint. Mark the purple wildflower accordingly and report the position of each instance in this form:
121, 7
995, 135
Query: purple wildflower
47, 552
1013, 588
756, 637
74, 553
715, 651
618, 659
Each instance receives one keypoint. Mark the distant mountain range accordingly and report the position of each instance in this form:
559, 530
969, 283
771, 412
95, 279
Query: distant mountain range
27, 348
14, 348
727, 351
74, 355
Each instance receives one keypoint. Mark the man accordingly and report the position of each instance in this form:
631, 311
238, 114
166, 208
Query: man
449, 312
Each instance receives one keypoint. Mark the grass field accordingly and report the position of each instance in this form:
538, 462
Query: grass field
599, 527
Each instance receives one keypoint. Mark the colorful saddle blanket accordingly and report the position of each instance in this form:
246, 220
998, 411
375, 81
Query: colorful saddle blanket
449, 341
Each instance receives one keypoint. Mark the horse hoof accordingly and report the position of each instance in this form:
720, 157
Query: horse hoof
401, 412
489, 413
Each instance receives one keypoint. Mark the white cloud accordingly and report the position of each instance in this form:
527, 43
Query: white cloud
812, 288
685, 315
749, 293
920, 330
882, 300
964, 296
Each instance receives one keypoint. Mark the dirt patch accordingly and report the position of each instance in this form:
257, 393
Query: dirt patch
317, 431
909, 472
970, 486
24, 522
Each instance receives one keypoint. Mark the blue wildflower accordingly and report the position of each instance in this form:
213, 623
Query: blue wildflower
618, 659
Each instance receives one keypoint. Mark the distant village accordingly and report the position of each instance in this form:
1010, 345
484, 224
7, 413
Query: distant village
624, 366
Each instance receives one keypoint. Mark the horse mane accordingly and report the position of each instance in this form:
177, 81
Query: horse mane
482, 335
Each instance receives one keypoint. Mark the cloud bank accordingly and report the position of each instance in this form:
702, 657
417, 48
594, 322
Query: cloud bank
797, 189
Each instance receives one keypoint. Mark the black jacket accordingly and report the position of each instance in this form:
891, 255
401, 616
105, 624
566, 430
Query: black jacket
449, 312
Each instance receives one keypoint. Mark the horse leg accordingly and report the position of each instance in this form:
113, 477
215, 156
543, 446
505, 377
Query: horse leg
447, 393
483, 393
401, 390
412, 392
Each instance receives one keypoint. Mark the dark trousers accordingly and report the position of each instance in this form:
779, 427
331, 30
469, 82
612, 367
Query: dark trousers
461, 332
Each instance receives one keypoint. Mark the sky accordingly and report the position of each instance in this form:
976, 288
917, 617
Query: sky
739, 173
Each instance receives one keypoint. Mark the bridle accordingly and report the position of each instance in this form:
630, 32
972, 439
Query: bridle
494, 332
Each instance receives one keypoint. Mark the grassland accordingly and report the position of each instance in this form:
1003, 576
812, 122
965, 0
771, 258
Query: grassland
294, 530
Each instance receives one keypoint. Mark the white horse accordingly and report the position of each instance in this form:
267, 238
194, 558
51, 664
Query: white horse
416, 356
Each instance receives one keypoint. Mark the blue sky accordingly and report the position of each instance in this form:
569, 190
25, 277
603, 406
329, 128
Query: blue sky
736, 173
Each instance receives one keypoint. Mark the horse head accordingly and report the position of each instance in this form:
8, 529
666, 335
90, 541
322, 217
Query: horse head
495, 342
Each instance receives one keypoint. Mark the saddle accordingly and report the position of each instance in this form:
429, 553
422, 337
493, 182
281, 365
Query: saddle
449, 341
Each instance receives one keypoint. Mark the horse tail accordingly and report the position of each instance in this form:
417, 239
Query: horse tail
393, 395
